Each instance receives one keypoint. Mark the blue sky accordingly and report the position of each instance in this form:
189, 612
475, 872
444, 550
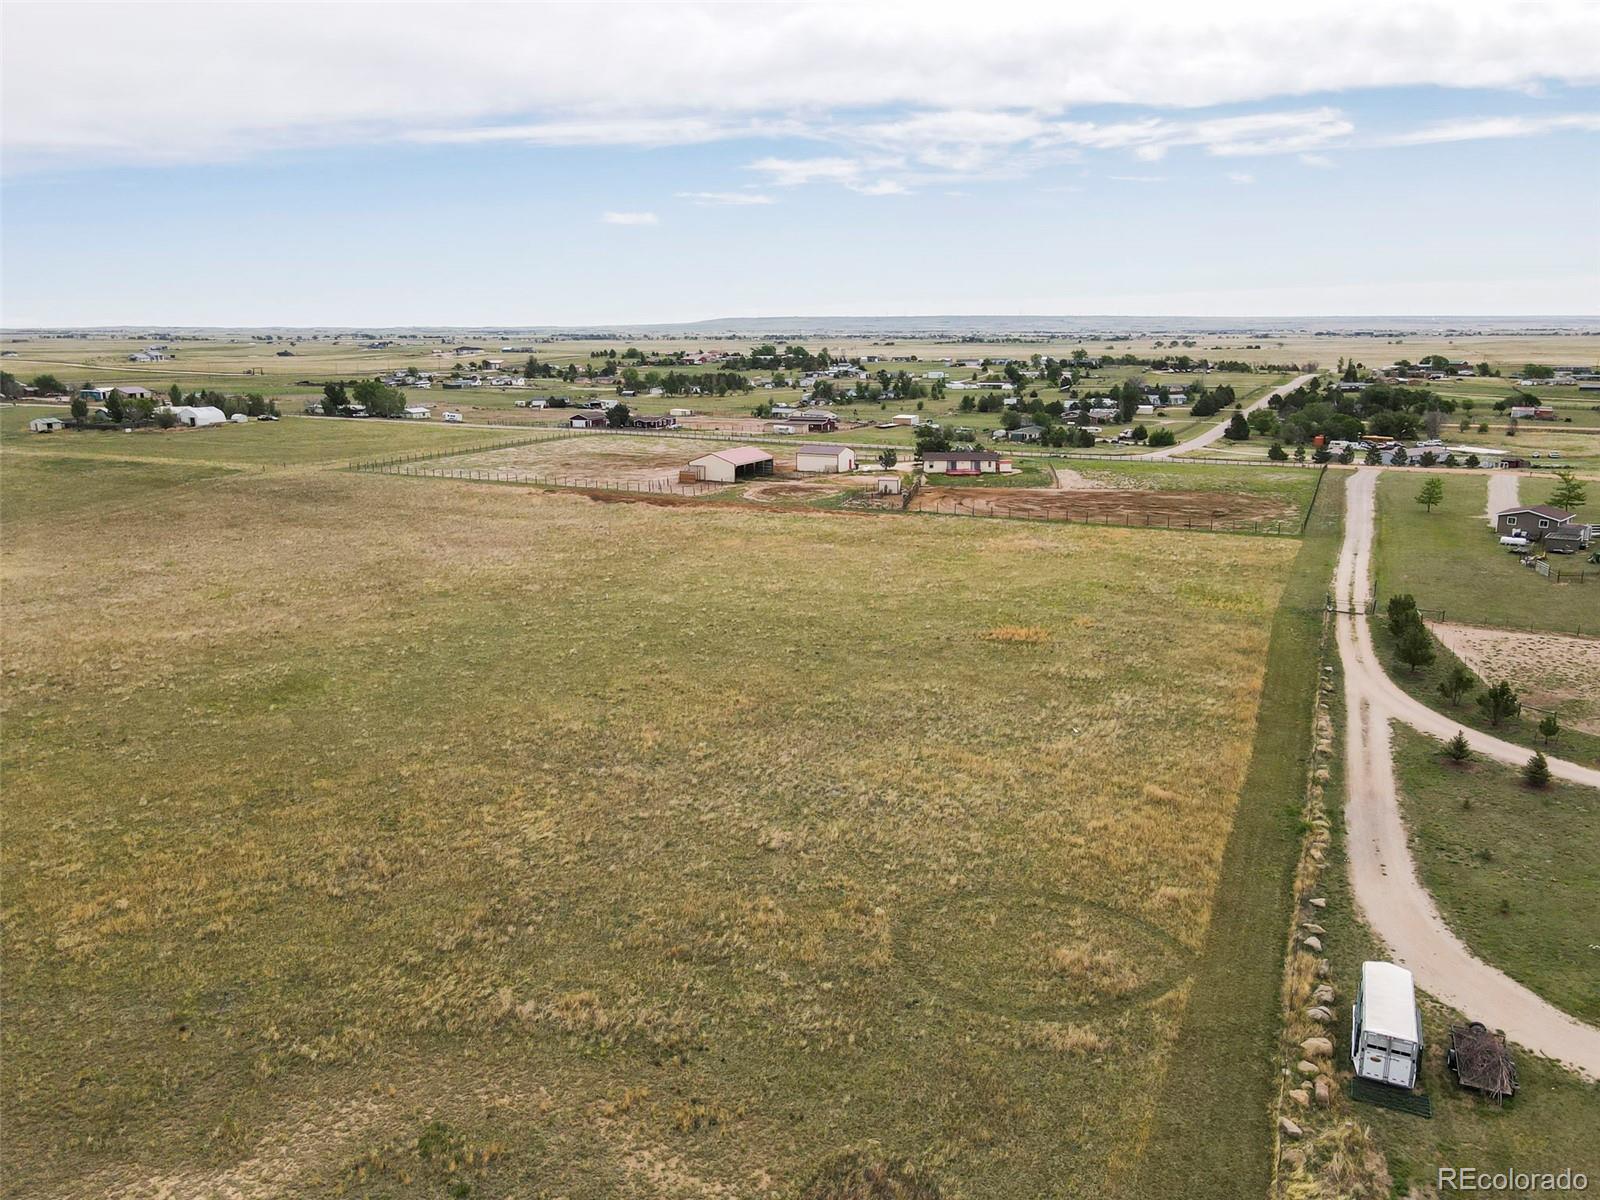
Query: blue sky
295, 165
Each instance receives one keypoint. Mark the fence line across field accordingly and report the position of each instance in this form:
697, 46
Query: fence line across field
945, 506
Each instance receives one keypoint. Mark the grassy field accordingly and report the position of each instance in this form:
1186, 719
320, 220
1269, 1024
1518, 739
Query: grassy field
1549, 1122
1199, 1148
291, 441
1449, 559
406, 838
1499, 858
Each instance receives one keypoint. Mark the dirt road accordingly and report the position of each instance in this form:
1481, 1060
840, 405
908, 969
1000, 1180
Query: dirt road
1502, 494
1396, 905
1201, 440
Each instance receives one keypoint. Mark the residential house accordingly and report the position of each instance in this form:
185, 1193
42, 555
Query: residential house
961, 462
1533, 521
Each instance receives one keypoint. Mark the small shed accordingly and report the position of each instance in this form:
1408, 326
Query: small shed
589, 420
815, 458
888, 485
46, 424
727, 466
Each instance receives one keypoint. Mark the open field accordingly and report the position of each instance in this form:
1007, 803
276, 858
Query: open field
1499, 858
1449, 559
293, 440
1548, 1122
406, 839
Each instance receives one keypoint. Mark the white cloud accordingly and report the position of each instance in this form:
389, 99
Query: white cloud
727, 198
1321, 161
1138, 178
238, 80
629, 218
1481, 128
1240, 177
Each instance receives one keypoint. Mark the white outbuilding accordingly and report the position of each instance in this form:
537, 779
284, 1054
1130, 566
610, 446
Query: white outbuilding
46, 424
815, 458
198, 416
726, 466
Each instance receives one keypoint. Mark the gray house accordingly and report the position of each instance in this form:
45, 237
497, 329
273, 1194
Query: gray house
1534, 522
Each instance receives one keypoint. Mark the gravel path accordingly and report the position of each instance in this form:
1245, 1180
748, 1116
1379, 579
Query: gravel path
1396, 904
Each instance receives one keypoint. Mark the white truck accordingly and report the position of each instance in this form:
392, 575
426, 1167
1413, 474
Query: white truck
1386, 1026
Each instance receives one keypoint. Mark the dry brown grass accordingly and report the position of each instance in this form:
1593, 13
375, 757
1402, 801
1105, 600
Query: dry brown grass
461, 803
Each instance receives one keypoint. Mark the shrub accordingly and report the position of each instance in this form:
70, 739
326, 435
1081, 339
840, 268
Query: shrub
1536, 773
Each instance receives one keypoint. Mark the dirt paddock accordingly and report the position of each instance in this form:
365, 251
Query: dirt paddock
1551, 671
1114, 505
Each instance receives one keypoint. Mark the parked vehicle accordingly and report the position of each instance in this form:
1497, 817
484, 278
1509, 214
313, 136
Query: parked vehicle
1386, 1026
1514, 542
452, 418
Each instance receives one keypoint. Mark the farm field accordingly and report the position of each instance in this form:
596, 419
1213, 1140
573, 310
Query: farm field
1449, 559
400, 839
294, 440
1497, 857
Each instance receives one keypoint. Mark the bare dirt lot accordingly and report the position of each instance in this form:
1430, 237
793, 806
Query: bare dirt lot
784, 491
1116, 505
1550, 671
612, 461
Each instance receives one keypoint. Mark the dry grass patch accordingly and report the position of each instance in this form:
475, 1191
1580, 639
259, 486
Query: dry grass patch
731, 811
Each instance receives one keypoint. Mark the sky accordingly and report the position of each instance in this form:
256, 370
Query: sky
577, 164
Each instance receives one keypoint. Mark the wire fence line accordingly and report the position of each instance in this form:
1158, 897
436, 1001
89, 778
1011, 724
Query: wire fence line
974, 506
592, 483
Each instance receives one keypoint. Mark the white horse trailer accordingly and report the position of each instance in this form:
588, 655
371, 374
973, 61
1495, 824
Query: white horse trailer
1386, 1026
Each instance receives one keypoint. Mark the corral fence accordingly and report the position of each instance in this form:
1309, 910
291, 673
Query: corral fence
1576, 629
419, 456
975, 506
592, 483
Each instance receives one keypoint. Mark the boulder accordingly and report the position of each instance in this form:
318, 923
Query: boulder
1324, 994
1289, 1129
1301, 1097
1323, 1092
1306, 1067
1320, 1015
1317, 902
1317, 1047
1313, 943
1323, 970
1312, 927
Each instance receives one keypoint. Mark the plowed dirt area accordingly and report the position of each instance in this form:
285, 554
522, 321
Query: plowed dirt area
1116, 505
